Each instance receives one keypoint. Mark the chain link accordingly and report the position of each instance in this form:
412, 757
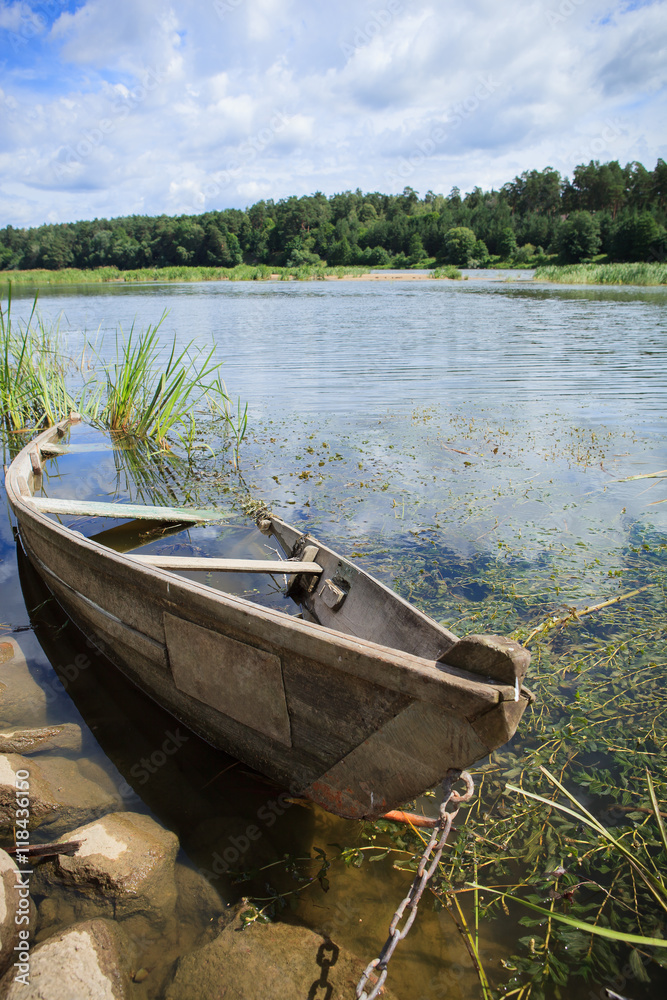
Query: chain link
431, 857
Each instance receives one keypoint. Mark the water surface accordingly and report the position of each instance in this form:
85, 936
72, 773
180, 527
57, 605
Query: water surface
469, 442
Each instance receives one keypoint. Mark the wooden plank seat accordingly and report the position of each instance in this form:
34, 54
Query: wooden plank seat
94, 508
228, 565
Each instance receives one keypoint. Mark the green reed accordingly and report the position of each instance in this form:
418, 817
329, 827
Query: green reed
242, 272
149, 391
449, 271
149, 394
34, 387
640, 273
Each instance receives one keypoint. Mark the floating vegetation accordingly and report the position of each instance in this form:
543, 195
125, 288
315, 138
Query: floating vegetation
535, 529
641, 273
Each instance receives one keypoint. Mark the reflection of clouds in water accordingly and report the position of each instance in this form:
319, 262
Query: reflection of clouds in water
7, 572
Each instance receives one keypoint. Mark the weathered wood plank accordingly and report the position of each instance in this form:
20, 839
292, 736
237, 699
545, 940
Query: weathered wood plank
50, 450
94, 508
234, 678
228, 565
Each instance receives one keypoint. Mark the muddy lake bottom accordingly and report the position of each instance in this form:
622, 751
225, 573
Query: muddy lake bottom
471, 445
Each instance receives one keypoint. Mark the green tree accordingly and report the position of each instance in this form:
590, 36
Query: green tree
6, 257
340, 253
578, 238
481, 255
416, 250
460, 244
376, 256
222, 248
507, 245
637, 238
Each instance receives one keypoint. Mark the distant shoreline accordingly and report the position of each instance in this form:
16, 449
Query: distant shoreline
638, 274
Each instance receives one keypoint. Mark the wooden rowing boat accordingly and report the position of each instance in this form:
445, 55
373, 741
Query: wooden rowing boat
361, 704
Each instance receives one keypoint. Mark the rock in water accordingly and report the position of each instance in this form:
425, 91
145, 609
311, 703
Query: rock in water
281, 961
60, 796
27, 741
22, 700
83, 962
124, 867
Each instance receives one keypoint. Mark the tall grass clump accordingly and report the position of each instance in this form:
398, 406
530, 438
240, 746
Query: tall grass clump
641, 273
449, 271
149, 391
176, 272
33, 373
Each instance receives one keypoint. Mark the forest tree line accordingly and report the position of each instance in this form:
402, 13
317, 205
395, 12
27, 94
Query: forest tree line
605, 211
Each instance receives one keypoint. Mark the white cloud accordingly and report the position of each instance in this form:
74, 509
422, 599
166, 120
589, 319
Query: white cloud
179, 106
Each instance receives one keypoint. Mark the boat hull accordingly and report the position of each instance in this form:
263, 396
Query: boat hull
357, 726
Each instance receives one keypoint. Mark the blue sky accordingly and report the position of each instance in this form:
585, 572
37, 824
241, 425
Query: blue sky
118, 107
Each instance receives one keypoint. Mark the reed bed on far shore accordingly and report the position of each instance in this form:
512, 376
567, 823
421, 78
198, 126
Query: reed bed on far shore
640, 273
106, 275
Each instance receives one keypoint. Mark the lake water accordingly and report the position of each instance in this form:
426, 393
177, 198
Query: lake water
471, 442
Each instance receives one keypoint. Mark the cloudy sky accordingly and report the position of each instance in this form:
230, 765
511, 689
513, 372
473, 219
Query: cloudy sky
116, 107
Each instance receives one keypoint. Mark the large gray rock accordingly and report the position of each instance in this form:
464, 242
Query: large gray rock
22, 700
60, 796
282, 961
83, 962
9, 929
124, 867
28, 741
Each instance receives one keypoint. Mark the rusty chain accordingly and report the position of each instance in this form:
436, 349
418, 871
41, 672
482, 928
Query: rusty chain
430, 857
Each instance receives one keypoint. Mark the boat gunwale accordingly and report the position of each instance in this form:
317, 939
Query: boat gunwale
433, 674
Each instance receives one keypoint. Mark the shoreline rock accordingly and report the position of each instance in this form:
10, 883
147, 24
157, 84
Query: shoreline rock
124, 867
9, 930
66, 736
22, 700
279, 960
60, 796
83, 962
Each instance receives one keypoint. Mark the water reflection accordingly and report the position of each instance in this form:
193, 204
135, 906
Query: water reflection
472, 444
360, 347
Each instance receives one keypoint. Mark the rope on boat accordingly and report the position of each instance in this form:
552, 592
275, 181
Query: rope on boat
427, 866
